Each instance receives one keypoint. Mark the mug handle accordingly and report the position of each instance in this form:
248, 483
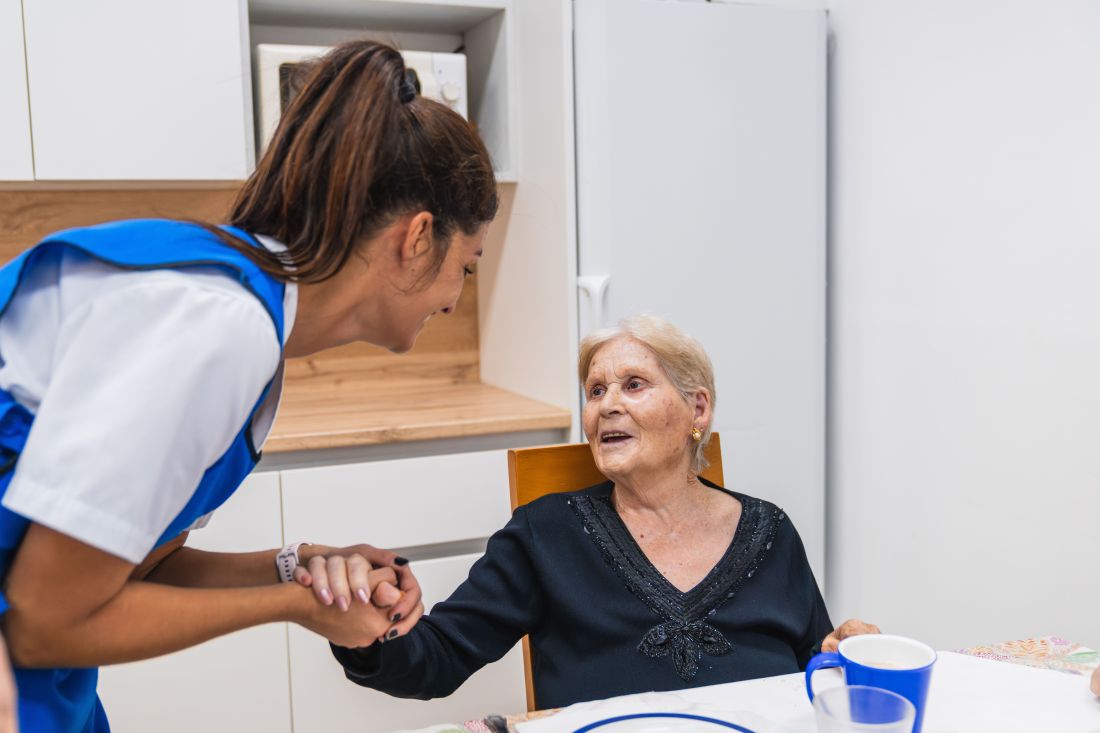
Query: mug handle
824, 660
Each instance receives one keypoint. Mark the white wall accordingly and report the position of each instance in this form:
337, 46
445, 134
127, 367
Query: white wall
965, 334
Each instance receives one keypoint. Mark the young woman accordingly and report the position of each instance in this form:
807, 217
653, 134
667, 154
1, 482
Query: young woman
141, 366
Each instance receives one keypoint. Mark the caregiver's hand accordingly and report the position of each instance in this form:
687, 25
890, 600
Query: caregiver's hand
361, 625
851, 627
337, 575
1096, 682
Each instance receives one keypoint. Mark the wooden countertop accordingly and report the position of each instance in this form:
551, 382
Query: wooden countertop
335, 404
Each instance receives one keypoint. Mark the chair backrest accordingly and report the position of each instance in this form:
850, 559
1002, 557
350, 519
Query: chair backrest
552, 469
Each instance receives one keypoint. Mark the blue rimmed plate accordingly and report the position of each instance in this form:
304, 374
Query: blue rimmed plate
660, 723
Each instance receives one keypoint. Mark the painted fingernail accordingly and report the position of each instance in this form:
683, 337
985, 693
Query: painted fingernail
400, 561
363, 595
342, 603
392, 634
326, 597
395, 618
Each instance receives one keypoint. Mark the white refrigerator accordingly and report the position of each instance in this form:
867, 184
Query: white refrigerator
701, 196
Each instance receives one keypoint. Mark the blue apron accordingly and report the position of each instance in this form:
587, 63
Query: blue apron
65, 700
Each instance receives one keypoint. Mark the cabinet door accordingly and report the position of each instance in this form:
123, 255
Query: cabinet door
16, 163
138, 90
227, 685
399, 503
326, 702
732, 244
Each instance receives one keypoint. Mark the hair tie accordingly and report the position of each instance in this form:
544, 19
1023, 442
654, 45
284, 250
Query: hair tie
410, 87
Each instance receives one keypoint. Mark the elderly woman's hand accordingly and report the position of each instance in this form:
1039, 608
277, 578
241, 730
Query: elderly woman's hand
1096, 682
338, 575
851, 627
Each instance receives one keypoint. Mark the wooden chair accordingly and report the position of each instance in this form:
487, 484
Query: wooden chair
536, 472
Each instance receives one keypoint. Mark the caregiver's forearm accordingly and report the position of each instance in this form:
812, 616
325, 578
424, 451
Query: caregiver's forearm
145, 620
193, 568
74, 605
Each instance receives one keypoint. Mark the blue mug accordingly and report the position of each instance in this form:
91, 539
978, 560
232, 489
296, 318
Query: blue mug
889, 662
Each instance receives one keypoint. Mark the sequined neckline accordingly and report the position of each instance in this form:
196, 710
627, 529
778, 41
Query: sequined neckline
683, 632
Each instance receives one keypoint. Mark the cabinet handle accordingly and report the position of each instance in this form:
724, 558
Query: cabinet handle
595, 287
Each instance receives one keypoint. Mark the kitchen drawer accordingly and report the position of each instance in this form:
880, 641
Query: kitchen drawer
326, 702
227, 685
398, 503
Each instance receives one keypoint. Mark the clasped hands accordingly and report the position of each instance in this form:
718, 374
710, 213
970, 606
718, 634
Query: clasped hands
365, 594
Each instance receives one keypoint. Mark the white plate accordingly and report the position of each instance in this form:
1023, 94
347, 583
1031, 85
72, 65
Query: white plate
661, 723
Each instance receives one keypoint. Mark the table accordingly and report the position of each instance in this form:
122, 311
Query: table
1031, 685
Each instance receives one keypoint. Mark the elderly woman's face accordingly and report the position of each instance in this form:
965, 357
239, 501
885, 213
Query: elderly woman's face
634, 418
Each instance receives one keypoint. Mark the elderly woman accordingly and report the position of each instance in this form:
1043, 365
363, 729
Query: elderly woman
653, 580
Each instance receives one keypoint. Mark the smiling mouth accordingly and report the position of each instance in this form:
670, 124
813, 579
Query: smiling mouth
613, 437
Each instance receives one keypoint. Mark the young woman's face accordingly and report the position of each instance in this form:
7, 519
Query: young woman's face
385, 293
422, 297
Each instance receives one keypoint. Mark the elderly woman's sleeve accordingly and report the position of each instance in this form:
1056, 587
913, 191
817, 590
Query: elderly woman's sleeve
499, 602
816, 615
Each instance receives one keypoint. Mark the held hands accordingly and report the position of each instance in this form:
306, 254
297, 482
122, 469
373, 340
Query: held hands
361, 625
347, 579
851, 627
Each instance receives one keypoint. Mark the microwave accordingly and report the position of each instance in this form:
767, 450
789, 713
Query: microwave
438, 76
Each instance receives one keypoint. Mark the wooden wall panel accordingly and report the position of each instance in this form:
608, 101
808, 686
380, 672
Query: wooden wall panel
27, 216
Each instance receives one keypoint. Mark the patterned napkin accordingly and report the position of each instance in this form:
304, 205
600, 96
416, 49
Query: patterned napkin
1044, 652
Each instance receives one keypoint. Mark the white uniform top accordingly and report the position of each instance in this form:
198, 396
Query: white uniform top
139, 381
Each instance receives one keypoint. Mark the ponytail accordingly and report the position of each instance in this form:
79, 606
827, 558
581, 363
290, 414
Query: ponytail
353, 152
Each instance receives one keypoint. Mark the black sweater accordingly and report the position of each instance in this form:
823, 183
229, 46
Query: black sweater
603, 621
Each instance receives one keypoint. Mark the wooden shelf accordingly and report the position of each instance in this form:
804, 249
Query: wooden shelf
341, 403
432, 16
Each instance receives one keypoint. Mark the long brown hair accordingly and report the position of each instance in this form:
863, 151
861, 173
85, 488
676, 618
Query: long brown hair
353, 151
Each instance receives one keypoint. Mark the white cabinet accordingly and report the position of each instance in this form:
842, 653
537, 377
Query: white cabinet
399, 503
235, 683
137, 90
430, 500
16, 161
438, 506
326, 702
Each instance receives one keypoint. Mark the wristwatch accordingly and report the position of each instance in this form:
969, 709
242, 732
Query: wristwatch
287, 560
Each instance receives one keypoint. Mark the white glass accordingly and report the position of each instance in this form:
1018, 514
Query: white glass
861, 709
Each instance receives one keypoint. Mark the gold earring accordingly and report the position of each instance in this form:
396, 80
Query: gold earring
696, 434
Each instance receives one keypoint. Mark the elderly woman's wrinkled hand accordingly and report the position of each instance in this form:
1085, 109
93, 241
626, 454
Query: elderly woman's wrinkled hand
851, 627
